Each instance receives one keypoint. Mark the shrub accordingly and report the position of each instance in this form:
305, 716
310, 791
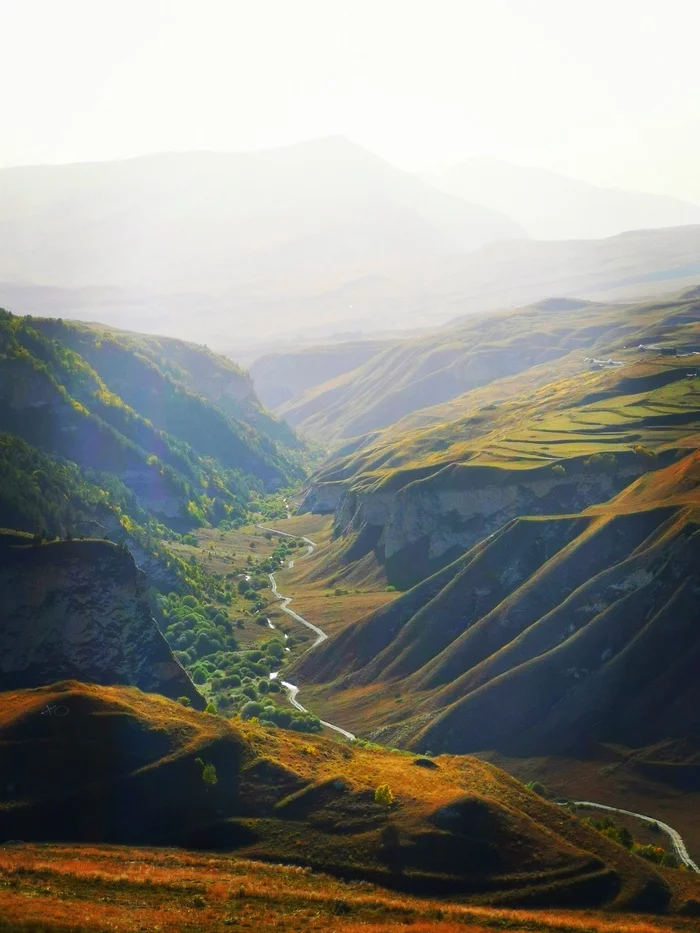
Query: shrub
559, 469
208, 772
384, 795
251, 710
198, 676
626, 837
184, 701
669, 860
651, 853
606, 462
211, 708
390, 589
537, 787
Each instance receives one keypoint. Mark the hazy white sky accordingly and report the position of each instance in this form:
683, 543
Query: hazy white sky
422, 83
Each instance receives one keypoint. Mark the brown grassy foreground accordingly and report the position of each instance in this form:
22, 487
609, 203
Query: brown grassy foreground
122, 768
91, 889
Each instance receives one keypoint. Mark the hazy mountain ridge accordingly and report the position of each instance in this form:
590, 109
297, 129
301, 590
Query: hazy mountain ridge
218, 222
280, 377
306, 240
553, 207
427, 370
398, 386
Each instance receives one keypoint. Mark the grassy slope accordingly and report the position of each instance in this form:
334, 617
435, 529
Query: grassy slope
123, 770
568, 621
132, 406
95, 889
434, 369
282, 376
561, 636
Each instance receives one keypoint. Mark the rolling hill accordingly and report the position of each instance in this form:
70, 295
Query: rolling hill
413, 375
553, 207
282, 376
554, 633
226, 233
128, 768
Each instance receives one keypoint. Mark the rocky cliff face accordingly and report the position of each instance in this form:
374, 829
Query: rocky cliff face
79, 610
428, 521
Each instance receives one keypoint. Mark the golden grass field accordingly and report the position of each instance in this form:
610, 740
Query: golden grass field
111, 889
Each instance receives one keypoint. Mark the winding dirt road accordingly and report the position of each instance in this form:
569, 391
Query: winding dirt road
676, 840
292, 689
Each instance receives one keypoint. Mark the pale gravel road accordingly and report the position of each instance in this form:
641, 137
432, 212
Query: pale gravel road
675, 837
292, 689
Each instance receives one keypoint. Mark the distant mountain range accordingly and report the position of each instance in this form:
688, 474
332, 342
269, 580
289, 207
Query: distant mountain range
553, 207
395, 383
310, 240
224, 223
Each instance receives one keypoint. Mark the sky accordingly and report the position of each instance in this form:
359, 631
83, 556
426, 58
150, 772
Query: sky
567, 86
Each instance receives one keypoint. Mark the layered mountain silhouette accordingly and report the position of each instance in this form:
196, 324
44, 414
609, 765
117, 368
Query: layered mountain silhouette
553, 207
400, 382
218, 223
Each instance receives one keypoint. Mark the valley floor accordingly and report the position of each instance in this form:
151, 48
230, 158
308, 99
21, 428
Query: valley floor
95, 889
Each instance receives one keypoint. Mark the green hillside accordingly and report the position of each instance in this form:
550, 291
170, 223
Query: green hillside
177, 426
283, 376
138, 438
549, 338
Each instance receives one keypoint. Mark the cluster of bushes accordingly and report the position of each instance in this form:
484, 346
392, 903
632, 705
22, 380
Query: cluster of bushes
269, 508
237, 681
606, 463
284, 550
195, 630
269, 713
202, 635
537, 787
620, 834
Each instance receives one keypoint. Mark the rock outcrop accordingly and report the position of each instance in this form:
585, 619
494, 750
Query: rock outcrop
418, 525
79, 610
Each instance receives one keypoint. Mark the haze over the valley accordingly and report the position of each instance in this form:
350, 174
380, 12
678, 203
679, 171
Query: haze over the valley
243, 174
